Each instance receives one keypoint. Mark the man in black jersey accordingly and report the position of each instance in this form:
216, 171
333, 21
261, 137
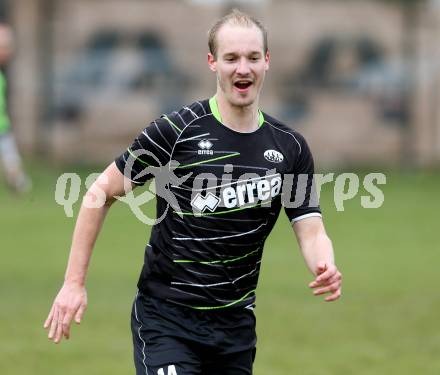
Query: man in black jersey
230, 167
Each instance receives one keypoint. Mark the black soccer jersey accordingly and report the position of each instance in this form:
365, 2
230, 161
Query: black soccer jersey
219, 193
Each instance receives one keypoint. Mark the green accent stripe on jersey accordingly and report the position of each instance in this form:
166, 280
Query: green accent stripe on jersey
136, 157
172, 123
217, 261
260, 118
214, 108
215, 111
208, 160
224, 306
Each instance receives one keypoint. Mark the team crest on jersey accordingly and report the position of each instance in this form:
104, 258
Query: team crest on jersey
273, 156
205, 146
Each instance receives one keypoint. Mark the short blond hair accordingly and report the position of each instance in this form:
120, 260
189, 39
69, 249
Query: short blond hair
235, 17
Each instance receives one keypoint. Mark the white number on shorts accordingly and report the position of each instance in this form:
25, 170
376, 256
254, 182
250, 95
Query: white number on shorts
171, 371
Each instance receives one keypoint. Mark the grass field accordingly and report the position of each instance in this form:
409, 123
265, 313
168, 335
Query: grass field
386, 322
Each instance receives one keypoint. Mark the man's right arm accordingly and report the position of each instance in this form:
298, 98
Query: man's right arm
71, 301
152, 148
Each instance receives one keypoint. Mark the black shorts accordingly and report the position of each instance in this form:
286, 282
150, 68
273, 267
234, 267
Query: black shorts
170, 339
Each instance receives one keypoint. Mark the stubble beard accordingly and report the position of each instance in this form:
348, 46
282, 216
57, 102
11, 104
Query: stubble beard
233, 101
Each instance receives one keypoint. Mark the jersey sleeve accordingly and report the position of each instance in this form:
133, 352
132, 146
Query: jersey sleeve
299, 192
151, 149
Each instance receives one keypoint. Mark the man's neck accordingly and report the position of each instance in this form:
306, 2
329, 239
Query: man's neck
241, 119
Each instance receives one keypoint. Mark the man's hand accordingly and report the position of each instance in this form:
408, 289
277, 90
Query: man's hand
328, 280
70, 303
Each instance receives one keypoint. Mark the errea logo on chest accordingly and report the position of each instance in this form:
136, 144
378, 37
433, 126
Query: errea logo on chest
205, 146
273, 156
241, 193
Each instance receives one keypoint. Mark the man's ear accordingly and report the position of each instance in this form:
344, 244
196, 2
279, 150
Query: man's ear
212, 62
267, 59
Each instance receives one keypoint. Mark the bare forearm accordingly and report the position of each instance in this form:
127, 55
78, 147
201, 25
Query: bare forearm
314, 243
86, 231
317, 249
71, 301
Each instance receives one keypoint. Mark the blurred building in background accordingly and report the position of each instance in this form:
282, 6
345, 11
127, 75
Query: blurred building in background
360, 79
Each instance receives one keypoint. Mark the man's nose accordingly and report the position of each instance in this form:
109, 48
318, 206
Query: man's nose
243, 67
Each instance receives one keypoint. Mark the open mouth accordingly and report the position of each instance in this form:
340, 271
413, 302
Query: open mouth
242, 85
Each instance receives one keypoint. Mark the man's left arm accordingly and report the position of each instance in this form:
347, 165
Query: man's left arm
317, 251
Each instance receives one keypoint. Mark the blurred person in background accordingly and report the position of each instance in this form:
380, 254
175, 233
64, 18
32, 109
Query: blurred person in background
193, 313
10, 158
